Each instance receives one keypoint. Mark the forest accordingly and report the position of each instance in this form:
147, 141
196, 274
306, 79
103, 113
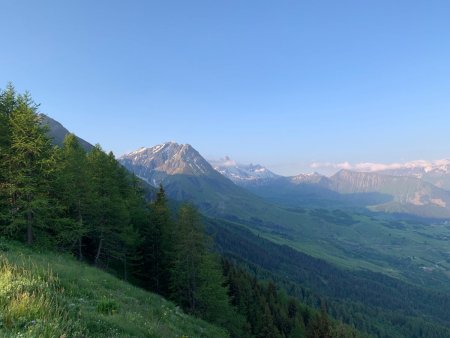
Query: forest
65, 199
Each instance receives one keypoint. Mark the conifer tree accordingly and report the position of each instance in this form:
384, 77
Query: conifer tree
8, 102
32, 162
138, 220
108, 214
197, 282
189, 252
162, 242
73, 192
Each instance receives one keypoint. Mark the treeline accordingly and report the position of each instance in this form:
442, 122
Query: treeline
65, 198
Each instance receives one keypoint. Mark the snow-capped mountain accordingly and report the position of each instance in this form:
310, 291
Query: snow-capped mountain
187, 176
170, 158
242, 174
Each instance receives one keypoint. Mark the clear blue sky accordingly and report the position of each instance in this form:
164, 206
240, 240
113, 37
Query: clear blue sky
281, 83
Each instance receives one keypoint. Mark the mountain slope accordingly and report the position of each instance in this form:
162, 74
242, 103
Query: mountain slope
58, 132
44, 294
186, 175
436, 173
384, 306
409, 194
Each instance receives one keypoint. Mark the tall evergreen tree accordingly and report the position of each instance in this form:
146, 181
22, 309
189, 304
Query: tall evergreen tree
31, 161
197, 282
8, 102
73, 191
108, 214
161, 246
189, 253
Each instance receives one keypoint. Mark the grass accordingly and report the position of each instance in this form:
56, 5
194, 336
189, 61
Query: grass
46, 294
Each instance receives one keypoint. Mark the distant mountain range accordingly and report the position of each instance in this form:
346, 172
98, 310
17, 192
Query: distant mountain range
226, 187
437, 173
187, 176
417, 191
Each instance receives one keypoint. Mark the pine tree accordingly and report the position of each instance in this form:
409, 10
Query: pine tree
138, 220
8, 102
150, 249
108, 214
320, 326
197, 282
189, 252
72, 189
31, 161
162, 242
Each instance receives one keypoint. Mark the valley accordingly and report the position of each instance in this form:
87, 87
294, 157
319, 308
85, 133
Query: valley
322, 240
352, 236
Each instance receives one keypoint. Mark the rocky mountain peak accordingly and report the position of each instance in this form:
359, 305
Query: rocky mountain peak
170, 158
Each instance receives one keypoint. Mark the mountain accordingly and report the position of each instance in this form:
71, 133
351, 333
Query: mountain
313, 178
407, 194
436, 173
157, 163
187, 176
242, 174
58, 132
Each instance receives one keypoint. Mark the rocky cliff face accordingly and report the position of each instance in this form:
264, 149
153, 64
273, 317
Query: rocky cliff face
437, 172
403, 189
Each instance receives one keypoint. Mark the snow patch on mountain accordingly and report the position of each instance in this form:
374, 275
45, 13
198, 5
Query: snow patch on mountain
241, 173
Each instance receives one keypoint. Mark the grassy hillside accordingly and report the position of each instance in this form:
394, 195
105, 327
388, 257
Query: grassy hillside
46, 294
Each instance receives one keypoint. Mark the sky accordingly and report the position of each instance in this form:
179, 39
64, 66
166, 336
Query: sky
287, 84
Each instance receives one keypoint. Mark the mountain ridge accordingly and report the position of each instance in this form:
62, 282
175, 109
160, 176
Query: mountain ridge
57, 132
377, 191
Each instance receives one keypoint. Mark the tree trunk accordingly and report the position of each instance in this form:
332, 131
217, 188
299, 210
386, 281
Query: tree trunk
80, 248
125, 272
80, 239
29, 228
99, 250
